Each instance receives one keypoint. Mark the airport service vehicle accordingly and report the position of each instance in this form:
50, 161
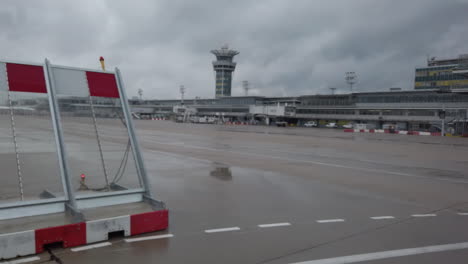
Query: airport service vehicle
282, 124
349, 125
310, 124
331, 125
203, 120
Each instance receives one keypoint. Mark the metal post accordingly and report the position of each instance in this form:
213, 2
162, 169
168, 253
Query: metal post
140, 166
61, 152
443, 120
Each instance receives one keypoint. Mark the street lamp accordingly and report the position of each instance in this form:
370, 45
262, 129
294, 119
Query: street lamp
140, 94
182, 92
442, 113
245, 85
351, 79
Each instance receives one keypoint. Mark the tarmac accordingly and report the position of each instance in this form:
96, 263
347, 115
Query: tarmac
256, 194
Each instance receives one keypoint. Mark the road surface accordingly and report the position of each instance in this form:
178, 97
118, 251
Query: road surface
253, 194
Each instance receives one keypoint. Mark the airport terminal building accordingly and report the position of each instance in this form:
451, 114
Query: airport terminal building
440, 93
442, 74
418, 110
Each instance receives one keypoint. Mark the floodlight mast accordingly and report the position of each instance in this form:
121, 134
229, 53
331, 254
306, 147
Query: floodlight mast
182, 92
245, 86
351, 79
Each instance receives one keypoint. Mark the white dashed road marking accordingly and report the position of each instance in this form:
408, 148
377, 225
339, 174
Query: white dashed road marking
462, 213
23, 260
387, 254
330, 221
227, 229
382, 217
130, 240
274, 225
423, 215
104, 244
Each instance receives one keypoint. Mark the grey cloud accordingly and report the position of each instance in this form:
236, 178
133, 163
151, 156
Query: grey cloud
286, 47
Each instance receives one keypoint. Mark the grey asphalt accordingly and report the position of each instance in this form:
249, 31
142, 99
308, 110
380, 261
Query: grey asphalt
214, 176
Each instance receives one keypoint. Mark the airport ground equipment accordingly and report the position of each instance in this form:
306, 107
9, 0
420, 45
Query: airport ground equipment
65, 177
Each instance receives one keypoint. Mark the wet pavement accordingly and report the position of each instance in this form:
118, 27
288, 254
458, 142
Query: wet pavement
321, 186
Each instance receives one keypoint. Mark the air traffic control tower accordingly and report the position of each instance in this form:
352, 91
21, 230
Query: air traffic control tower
223, 67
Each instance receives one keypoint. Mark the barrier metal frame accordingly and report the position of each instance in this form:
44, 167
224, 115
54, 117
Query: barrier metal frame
72, 203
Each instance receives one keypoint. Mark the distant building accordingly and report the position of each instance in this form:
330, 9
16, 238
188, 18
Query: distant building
442, 74
224, 67
416, 110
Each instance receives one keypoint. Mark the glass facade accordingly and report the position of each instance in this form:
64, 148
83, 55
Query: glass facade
439, 77
223, 83
325, 111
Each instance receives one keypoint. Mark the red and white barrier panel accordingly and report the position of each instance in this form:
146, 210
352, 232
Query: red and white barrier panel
34, 241
30, 78
400, 132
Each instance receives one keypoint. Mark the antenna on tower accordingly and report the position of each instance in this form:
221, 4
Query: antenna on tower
182, 92
351, 79
245, 86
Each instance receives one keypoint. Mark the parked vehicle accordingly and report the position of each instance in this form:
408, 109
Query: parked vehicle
349, 125
331, 125
282, 124
364, 126
310, 124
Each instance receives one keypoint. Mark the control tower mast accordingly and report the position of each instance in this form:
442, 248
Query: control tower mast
224, 67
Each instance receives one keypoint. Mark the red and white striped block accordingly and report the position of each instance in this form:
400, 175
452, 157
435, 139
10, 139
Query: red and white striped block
33, 241
400, 132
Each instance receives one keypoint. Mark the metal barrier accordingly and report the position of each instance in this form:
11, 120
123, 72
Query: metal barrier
67, 141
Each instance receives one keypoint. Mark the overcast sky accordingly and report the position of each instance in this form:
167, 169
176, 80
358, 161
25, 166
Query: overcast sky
286, 47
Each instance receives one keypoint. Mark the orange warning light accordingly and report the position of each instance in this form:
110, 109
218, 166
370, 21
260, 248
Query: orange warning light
103, 65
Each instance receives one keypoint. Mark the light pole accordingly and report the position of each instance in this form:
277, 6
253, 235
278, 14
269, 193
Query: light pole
442, 116
443, 112
332, 89
182, 92
245, 85
351, 79
140, 94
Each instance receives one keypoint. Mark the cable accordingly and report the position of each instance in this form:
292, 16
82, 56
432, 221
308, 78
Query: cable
123, 163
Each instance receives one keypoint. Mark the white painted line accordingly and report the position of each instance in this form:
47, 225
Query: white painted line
462, 213
227, 229
387, 254
23, 260
274, 225
98, 245
130, 240
382, 217
330, 221
423, 215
